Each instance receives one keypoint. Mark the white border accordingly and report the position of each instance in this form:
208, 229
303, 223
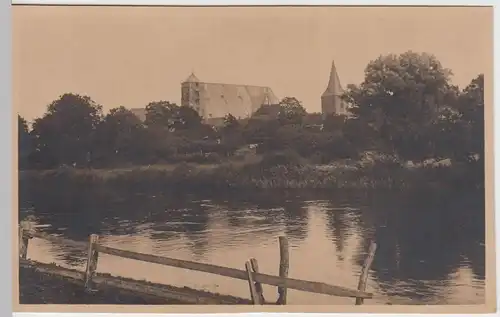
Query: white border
6, 128
5, 156
247, 2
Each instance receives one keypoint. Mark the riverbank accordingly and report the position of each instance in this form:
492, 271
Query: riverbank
39, 283
271, 174
40, 288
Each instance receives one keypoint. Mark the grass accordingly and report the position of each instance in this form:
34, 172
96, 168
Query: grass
277, 171
41, 288
36, 287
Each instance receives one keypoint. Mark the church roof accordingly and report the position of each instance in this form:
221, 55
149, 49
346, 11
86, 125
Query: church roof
334, 87
239, 100
218, 99
192, 79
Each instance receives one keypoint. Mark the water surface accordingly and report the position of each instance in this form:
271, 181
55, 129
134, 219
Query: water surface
428, 252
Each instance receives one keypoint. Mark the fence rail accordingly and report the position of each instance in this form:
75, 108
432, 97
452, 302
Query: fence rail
251, 274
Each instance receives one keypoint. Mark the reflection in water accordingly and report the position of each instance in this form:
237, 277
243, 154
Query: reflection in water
339, 228
296, 220
430, 253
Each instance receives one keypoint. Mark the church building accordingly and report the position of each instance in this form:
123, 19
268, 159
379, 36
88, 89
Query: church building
214, 100
331, 102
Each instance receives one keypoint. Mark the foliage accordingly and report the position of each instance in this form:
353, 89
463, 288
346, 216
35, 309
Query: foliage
186, 118
231, 124
292, 111
65, 134
267, 111
25, 143
334, 123
405, 108
160, 114
119, 138
471, 109
259, 130
285, 158
400, 100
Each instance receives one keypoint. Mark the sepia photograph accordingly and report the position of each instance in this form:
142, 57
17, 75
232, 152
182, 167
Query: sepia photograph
268, 156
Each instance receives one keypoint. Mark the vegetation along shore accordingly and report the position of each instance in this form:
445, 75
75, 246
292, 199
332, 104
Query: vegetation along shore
408, 127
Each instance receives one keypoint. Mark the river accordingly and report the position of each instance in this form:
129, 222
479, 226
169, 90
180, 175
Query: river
428, 252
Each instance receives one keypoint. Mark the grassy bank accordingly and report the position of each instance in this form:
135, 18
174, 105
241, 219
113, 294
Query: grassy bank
273, 173
40, 288
36, 286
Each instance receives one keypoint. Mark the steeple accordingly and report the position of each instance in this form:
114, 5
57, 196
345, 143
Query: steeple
334, 88
192, 79
331, 101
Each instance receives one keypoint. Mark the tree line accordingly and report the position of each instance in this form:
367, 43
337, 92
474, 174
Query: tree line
406, 107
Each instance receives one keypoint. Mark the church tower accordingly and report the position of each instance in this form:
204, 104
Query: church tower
191, 94
330, 100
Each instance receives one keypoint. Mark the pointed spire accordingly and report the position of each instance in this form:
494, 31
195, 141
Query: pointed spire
192, 79
334, 87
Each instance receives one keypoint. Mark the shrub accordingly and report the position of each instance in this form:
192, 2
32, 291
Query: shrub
285, 158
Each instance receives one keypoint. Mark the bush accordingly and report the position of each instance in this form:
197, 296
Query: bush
284, 158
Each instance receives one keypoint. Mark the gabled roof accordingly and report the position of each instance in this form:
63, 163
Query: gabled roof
334, 87
239, 100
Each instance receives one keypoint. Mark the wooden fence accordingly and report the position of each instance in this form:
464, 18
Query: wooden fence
251, 273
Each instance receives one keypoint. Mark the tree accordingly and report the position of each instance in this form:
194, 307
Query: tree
25, 145
259, 130
120, 138
186, 118
231, 124
315, 118
267, 111
360, 134
292, 111
166, 115
471, 109
64, 135
400, 100
334, 122
160, 114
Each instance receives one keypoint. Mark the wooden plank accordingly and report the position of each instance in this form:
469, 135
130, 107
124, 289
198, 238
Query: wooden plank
258, 286
53, 270
23, 239
251, 284
283, 268
364, 271
306, 286
92, 257
128, 285
59, 240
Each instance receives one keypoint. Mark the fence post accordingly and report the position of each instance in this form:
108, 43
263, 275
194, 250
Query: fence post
24, 228
258, 285
253, 291
283, 269
364, 271
92, 257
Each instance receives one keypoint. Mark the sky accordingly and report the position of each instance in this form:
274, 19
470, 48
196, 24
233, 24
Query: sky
130, 56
